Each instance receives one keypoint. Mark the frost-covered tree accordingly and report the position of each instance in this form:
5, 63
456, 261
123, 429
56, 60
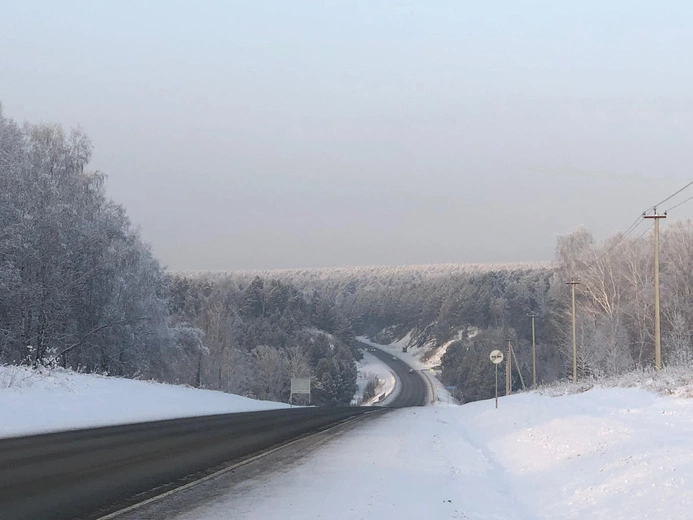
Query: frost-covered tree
78, 287
262, 332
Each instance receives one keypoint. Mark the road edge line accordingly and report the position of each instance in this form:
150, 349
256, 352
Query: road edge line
138, 505
431, 387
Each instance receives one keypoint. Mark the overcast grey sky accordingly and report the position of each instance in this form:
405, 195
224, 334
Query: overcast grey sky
258, 134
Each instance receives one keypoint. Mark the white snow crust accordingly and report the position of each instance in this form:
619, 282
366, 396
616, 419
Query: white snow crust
41, 401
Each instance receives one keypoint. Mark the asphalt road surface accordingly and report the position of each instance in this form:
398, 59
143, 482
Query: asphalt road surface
69, 475
413, 389
86, 473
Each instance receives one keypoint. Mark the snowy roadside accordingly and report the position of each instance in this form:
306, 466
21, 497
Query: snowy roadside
371, 367
33, 402
674, 381
602, 454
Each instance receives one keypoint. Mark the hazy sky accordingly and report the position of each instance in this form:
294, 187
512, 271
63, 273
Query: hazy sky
257, 134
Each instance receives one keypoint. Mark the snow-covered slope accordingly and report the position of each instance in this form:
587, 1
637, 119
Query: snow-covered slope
33, 402
603, 454
372, 367
420, 352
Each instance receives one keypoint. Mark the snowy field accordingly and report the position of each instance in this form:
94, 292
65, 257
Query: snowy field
387, 389
602, 454
32, 402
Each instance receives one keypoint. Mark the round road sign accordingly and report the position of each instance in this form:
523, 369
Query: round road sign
496, 357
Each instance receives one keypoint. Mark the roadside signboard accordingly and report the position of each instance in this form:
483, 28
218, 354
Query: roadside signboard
299, 385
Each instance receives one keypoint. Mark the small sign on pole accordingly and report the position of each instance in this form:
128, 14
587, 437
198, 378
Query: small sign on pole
299, 385
496, 358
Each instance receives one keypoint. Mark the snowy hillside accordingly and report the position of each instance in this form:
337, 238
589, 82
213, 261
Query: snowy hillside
33, 402
602, 454
426, 350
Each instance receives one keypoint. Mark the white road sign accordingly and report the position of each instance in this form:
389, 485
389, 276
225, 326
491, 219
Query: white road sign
300, 385
496, 357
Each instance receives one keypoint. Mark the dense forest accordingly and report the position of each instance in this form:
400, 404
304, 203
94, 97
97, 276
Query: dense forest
473, 309
81, 290
257, 335
469, 308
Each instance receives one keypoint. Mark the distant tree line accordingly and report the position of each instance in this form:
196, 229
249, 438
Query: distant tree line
475, 309
81, 290
471, 308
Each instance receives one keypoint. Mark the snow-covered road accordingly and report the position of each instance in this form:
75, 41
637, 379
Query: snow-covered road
603, 454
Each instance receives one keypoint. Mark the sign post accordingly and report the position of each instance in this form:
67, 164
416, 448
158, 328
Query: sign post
299, 385
496, 357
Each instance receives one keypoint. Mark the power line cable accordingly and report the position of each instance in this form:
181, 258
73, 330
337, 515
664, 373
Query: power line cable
679, 204
628, 247
636, 240
636, 223
632, 227
669, 197
644, 232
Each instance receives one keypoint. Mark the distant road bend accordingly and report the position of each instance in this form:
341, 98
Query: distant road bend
413, 389
85, 474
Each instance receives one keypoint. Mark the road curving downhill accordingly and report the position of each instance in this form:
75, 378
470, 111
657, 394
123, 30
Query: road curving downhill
413, 390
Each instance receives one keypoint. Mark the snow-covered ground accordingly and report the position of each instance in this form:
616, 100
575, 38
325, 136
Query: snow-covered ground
601, 454
33, 402
370, 367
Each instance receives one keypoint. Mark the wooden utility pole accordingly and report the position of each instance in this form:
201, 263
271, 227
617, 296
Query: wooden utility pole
509, 371
658, 332
572, 284
519, 372
533, 316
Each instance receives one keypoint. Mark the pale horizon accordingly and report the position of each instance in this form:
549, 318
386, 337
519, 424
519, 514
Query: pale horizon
276, 135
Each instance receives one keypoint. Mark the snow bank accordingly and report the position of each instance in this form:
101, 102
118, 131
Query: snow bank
369, 367
37, 402
676, 381
602, 454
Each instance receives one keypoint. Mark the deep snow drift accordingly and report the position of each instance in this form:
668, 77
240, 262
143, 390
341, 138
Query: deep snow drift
602, 454
36, 402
